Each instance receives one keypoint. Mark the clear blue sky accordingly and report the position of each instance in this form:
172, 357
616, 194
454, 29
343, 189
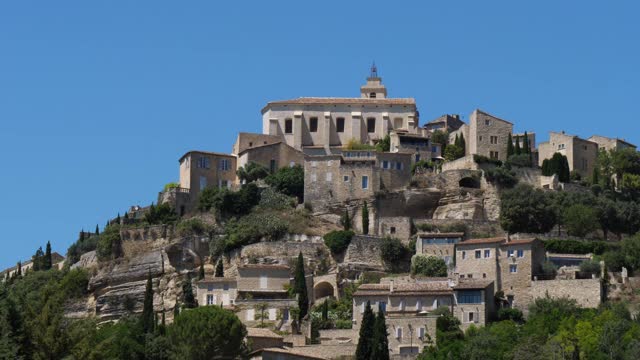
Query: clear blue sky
98, 100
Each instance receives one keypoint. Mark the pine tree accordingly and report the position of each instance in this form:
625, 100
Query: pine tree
380, 343
201, 272
526, 148
517, 150
187, 292
219, 269
97, 230
300, 287
148, 318
47, 263
510, 149
463, 144
365, 341
365, 219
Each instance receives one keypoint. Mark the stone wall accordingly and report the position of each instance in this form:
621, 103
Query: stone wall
587, 292
365, 250
488, 135
464, 163
397, 227
153, 232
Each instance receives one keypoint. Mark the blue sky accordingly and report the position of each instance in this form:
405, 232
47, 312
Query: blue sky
98, 100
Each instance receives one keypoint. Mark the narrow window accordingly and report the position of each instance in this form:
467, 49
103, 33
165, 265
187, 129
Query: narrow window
371, 125
464, 255
263, 281
471, 319
345, 178
478, 253
513, 268
399, 333
340, 124
210, 300
285, 314
520, 253
509, 253
365, 182
372, 95
392, 230
272, 166
487, 253
487, 122
313, 124
203, 182
421, 333
288, 126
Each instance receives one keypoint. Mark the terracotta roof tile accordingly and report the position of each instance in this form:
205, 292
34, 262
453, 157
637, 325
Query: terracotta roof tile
494, 240
206, 153
472, 284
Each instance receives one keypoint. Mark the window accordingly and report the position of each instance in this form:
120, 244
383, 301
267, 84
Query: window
421, 332
225, 287
419, 305
382, 305
313, 124
272, 166
487, 122
203, 182
493, 154
478, 254
401, 305
292, 164
371, 125
210, 287
372, 95
480, 138
285, 314
560, 146
520, 253
464, 255
470, 276
288, 126
329, 176
203, 163
313, 177
365, 182
487, 253
399, 166
513, 268
224, 165
345, 178
222, 184
470, 297
484, 275
340, 124
417, 157
272, 314
210, 300
263, 281
509, 253
470, 317
362, 306
399, 333
385, 164
493, 139
392, 230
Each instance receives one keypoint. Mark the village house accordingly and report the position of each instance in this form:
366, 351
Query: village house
418, 145
485, 135
581, 154
353, 174
221, 291
442, 245
445, 123
608, 144
330, 121
519, 139
267, 150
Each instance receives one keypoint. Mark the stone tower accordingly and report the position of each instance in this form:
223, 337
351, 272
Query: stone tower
373, 89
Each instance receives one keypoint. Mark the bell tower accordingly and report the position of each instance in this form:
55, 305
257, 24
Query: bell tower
373, 89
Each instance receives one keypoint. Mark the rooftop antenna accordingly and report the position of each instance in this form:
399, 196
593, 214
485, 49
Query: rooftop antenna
374, 70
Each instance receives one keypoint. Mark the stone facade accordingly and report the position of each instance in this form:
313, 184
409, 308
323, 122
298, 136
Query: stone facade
445, 122
246, 141
418, 145
474, 303
272, 156
396, 227
587, 292
488, 135
608, 144
442, 245
217, 291
353, 175
328, 122
581, 154
268, 281
200, 169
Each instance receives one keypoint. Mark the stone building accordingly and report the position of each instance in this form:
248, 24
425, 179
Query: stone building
608, 144
221, 291
485, 135
442, 245
347, 175
330, 121
519, 138
445, 122
581, 154
418, 145
272, 156
246, 141
258, 338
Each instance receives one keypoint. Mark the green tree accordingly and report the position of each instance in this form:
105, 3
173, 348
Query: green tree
510, 149
580, 220
384, 145
219, 268
98, 228
338, 241
526, 147
38, 260
47, 263
187, 292
380, 342
440, 137
147, 319
345, 220
365, 339
289, 181
365, 219
517, 150
430, 266
463, 144
252, 172
453, 152
300, 287
201, 271
208, 332
161, 214
525, 209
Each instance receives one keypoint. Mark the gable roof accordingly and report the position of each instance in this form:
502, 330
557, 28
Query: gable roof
205, 153
340, 101
493, 116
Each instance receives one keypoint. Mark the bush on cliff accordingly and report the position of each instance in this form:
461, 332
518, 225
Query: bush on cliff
289, 181
430, 266
393, 251
338, 241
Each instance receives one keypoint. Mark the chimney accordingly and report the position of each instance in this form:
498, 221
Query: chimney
391, 285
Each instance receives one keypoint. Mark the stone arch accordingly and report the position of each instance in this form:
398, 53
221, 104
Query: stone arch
324, 289
469, 182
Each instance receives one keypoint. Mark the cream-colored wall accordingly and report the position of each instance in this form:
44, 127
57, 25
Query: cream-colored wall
249, 279
190, 173
576, 150
217, 289
482, 268
480, 134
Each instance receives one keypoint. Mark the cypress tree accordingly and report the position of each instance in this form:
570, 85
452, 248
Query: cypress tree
510, 150
346, 221
526, 148
126, 215
176, 310
219, 269
380, 343
365, 219
148, 317
118, 219
187, 292
97, 230
325, 311
300, 288
365, 341
565, 173
201, 272
19, 270
456, 142
37, 260
81, 236
48, 263
517, 148
595, 177
463, 144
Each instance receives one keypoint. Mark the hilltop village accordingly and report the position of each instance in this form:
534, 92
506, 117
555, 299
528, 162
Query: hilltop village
346, 206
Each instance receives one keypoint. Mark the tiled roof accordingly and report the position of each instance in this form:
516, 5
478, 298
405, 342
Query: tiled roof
440, 235
493, 116
206, 153
472, 284
494, 240
259, 146
519, 241
403, 289
216, 280
262, 333
341, 101
264, 266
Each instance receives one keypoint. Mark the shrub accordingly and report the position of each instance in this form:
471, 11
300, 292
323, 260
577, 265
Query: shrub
354, 144
453, 152
510, 314
590, 266
171, 185
289, 181
384, 145
560, 246
338, 241
614, 260
502, 176
525, 209
229, 202
193, 226
459, 227
481, 159
252, 172
109, 238
426, 227
161, 214
549, 269
522, 160
431, 266
271, 199
251, 229
580, 220
421, 165
392, 250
